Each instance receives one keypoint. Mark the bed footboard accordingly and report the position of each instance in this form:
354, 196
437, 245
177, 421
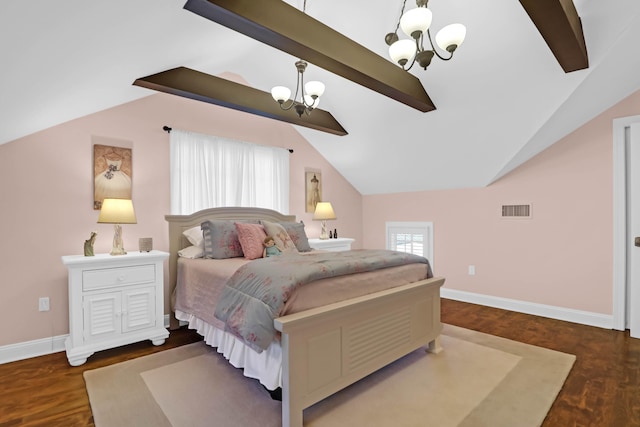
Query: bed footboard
328, 348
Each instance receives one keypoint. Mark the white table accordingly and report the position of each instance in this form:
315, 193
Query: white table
114, 300
333, 245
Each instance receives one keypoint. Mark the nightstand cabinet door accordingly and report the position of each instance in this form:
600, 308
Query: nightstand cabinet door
114, 301
102, 314
138, 309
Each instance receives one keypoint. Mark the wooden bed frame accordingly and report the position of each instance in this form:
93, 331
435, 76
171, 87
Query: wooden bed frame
326, 349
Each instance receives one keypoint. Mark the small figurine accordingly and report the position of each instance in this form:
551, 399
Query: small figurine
270, 248
330, 234
88, 244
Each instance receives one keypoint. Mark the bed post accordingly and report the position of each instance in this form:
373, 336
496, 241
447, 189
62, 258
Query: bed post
292, 411
434, 346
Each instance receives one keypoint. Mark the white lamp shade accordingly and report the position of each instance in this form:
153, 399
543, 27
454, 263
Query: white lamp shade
117, 211
324, 211
452, 34
314, 88
312, 103
418, 19
402, 49
280, 93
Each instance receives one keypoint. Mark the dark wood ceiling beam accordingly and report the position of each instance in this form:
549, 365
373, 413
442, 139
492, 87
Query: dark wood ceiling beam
193, 84
561, 27
286, 28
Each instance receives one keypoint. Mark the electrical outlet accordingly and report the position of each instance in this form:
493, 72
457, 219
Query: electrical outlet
472, 270
43, 304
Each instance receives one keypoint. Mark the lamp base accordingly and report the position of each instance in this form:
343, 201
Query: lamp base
323, 232
118, 247
118, 251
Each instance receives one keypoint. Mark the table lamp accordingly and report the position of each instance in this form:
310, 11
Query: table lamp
324, 211
116, 212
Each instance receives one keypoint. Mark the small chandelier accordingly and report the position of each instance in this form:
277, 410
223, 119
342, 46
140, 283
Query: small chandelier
308, 101
415, 23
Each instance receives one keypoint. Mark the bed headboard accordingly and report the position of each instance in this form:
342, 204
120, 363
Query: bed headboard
179, 223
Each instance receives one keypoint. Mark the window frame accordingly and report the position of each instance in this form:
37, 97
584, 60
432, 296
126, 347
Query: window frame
424, 228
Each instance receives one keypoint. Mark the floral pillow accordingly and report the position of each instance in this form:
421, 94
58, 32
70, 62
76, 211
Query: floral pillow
251, 238
221, 240
295, 230
280, 236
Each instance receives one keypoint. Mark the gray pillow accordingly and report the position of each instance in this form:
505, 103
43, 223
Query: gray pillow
298, 235
221, 240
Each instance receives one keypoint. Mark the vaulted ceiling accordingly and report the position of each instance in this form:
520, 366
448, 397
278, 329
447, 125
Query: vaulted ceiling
502, 99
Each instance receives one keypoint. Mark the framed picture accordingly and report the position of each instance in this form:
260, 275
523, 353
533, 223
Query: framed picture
313, 189
111, 173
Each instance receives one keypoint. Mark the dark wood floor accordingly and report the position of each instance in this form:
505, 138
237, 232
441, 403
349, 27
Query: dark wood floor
603, 388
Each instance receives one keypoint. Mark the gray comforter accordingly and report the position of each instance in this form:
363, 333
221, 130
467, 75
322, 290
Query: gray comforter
258, 290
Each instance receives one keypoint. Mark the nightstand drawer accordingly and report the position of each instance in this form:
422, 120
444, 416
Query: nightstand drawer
112, 277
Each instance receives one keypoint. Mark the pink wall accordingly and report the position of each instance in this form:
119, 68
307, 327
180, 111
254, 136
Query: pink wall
46, 191
561, 257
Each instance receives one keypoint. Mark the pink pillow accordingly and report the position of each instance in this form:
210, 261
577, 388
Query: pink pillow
251, 237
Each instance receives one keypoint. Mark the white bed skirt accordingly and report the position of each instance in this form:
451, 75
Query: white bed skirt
266, 367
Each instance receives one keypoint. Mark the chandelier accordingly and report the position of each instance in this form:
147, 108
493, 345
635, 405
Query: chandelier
308, 101
415, 23
314, 89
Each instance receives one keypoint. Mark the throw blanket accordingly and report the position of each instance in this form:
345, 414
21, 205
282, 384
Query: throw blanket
258, 290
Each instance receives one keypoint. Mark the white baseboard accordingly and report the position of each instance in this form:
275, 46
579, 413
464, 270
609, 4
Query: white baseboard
560, 313
28, 349
41, 347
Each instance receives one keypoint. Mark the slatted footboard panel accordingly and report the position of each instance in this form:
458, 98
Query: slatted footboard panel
331, 347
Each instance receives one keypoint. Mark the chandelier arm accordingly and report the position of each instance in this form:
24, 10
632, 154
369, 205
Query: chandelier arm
413, 61
299, 78
420, 47
304, 102
433, 48
292, 101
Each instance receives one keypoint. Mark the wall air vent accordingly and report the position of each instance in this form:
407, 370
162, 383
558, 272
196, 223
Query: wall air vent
516, 211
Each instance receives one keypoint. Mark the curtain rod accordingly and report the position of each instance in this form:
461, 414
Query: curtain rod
168, 130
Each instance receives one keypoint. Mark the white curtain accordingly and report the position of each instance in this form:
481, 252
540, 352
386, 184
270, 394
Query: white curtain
209, 171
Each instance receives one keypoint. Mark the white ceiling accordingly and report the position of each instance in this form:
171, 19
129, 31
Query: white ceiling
501, 100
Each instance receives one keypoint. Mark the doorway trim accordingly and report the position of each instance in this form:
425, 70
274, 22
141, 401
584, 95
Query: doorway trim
620, 220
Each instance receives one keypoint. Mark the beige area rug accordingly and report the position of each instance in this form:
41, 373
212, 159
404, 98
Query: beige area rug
478, 380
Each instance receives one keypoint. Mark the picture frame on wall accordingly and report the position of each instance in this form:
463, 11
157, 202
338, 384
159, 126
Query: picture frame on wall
313, 189
112, 173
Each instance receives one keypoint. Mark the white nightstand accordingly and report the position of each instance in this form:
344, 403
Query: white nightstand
113, 301
333, 245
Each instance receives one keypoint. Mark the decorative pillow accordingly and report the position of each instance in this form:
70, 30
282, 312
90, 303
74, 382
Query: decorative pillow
280, 236
191, 252
194, 236
295, 230
251, 237
221, 240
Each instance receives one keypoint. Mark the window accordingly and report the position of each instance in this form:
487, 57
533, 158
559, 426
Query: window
209, 171
412, 237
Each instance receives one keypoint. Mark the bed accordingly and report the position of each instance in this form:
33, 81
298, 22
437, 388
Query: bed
324, 349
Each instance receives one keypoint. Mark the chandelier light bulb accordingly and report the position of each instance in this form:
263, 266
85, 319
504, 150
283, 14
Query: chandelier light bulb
311, 103
451, 37
416, 21
280, 93
402, 51
314, 88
